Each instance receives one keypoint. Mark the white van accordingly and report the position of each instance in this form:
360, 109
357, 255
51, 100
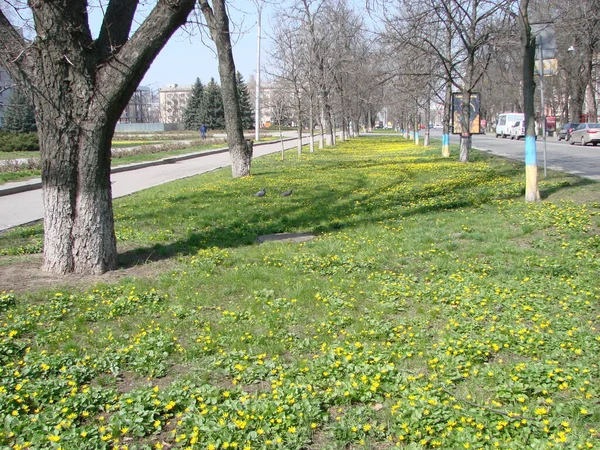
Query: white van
506, 121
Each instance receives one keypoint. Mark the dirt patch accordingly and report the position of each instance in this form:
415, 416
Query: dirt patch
24, 274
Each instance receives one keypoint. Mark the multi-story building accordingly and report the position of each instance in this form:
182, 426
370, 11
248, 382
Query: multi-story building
5, 92
141, 107
173, 100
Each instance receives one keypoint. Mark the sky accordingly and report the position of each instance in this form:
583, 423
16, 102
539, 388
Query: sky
187, 57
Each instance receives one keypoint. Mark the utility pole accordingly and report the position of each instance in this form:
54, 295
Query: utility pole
257, 103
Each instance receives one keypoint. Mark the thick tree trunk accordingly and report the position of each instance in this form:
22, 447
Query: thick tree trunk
78, 221
240, 149
79, 86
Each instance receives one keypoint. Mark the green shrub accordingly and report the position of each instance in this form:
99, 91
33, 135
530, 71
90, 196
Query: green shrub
15, 142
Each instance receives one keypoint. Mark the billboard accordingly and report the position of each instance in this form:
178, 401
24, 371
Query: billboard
474, 117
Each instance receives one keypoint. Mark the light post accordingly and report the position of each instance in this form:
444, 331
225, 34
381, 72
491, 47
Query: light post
545, 40
257, 87
543, 114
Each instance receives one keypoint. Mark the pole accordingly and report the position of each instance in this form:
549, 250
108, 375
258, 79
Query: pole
543, 105
257, 104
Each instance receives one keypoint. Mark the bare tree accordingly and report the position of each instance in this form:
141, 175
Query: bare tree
218, 25
79, 86
577, 25
286, 68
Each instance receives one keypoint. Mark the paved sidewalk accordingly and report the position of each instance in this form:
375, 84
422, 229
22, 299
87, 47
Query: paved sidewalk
21, 203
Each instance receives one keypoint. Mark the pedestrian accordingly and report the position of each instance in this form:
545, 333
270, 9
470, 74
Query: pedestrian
203, 131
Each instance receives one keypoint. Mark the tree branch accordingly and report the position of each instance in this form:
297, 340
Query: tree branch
141, 49
116, 26
12, 47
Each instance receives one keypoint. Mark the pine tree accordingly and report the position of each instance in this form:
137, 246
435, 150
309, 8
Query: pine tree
19, 116
215, 114
246, 110
194, 114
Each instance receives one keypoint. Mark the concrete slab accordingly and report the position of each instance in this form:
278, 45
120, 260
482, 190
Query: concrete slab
286, 237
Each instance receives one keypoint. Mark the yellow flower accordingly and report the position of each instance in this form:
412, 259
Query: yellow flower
292, 430
54, 438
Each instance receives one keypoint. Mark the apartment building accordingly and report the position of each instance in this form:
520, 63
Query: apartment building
173, 99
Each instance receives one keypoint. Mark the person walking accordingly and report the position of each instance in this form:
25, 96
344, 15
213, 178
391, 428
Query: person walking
203, 131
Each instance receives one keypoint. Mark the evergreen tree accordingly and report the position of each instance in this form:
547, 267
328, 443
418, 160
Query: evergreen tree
19, 116
246, 110
215, 114
194, 114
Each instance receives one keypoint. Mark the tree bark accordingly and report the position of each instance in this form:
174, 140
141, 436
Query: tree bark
532, 193
465, 122
79, 87
299, 114
240, 149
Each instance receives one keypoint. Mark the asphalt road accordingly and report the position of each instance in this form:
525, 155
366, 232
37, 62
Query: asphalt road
561, 156
26, 207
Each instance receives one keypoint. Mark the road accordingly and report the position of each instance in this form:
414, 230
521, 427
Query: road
26, 207
561, 156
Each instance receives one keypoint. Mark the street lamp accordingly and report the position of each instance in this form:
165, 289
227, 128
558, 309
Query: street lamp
257, 87
545, 40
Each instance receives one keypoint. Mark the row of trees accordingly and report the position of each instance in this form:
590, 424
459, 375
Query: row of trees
329, 65
323, 70
205, 105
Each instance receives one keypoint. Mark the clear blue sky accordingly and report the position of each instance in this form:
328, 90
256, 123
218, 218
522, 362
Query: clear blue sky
186, 57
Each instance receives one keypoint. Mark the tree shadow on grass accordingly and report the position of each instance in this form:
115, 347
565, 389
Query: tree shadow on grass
326, 209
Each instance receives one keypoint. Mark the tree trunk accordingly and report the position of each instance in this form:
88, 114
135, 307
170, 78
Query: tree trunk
465, 125
322, 130
240, 149
311, 125
80, 86
532, 193
446, 120
427, 119
299, 114
78, 220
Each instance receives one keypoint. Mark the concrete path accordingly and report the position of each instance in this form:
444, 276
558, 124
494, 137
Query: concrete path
21, 203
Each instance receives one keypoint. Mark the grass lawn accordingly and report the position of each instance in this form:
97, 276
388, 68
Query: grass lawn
435, 309
125, 144
21, 175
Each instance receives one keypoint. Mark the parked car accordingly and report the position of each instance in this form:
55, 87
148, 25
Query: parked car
565, 131
586, 133
517, 131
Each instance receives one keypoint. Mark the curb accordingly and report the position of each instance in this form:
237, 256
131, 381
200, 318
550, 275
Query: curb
36, 183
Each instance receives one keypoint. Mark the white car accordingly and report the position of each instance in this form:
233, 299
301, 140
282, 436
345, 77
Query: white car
506, 121
517, 131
